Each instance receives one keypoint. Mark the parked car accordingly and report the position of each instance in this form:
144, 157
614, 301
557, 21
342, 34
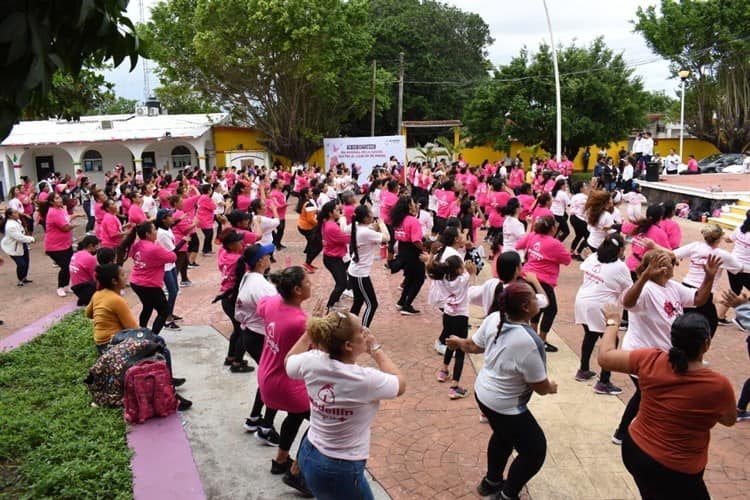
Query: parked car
716, 163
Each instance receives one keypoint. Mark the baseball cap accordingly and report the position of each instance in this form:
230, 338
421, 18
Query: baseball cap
161, 214
254, 253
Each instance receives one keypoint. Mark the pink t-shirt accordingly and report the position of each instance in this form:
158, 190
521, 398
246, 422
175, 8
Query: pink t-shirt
544, 255
495, 219
180, 229
516, 178
482, 194
387, 201
278, 199
136, 215
227, 265
334, 239
285, 324
348, 211
110, 230
470, 183
189, 204
410, 230
243, 202
206, 208
445, 200
541, 212
82, 267
148, 263
673, 231
638, 249
526, 201
248, 237
55, 238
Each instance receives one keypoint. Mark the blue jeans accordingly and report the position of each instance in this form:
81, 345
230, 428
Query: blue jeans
332, 478
170, 279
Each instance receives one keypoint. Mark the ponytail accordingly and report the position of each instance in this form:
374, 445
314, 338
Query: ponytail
689, 335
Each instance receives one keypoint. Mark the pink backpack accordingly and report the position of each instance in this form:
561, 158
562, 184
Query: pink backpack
148, 392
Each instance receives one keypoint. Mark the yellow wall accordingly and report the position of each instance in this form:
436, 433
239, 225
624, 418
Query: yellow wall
228, 138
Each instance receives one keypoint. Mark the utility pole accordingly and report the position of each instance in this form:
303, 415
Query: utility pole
372, 111
400, 91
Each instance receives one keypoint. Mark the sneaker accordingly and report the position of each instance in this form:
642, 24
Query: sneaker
348, 293
20, 283
172, 326
440, 348
623, 326
251, 424
61, 292
583, 376
457, 392
483, 419
617, 438
550, 348
488, 488
184, 403
399, 306
268, 437
608, 388
185, 284
739, 325
194, 264
743, 415
408, 311
723, 321
307, 267
176, 318
281, 247
26, 281
277, 468
241, 368
177, 382
298, 483
442, 375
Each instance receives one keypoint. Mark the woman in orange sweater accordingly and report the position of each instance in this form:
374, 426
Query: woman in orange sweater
308, 221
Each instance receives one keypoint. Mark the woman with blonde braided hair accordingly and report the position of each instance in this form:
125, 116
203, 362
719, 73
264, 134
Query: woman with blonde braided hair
344, 398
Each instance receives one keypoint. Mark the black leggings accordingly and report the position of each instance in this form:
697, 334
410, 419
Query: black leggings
84, 291
289, 429
313, 247
279, 233
208, 236
252, 342
152, 298
236, 350
182, 265
745, 394
413, 272
657, 482
547, 314
587, 348
582, 233
738, 281
364, 294
458, 326
62, 259
562, 227
337, 268
631, 410
509, 432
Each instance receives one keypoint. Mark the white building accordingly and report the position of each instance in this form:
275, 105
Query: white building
95, 144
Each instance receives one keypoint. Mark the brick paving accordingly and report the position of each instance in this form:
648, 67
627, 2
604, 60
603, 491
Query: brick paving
427, 446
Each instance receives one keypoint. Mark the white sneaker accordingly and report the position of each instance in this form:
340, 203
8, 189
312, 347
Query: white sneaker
68, 289
61, 292
348, 293
439, 348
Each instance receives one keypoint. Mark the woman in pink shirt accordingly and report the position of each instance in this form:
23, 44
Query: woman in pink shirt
388, 199
206, 207
112, 231
446, 197
541, 208
184, 225
147, 276
83, 269
544, 256
58, 240
276, 196
671, 228
646, 235
285, 323
136, 214
408, 232
335, 243
100, 197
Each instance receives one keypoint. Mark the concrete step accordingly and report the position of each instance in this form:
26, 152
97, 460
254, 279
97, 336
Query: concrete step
727, 223
740, 210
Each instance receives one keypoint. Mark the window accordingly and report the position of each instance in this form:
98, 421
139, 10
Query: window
92, 161
181, 157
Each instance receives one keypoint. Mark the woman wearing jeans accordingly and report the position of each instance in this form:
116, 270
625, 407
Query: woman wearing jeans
165, 239
515, 366
58, 240
334, 248
334, 452
16, 243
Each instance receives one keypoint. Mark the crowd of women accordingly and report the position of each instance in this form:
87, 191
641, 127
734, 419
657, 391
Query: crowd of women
424, 221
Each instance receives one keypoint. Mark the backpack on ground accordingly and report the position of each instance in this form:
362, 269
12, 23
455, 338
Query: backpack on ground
148, 391
107, 376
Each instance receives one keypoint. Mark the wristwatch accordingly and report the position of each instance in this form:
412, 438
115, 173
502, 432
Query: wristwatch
611, 322
375, 348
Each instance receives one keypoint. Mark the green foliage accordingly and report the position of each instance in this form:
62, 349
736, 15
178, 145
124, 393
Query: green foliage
180, 100
662, 103
710, 39
115, 106
294, 69
39, 39
71, 96
53, 443
601, 100
451, 149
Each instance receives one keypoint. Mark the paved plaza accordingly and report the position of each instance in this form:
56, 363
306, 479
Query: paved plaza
423, 444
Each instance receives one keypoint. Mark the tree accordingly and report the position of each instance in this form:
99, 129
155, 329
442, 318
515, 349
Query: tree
71, 97
440, 43
601, 100
294, 69
180, 100
115, 106
709, 39
40, 39
662, 103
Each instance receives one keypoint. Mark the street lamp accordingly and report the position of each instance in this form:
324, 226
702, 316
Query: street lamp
558, 116
683, 74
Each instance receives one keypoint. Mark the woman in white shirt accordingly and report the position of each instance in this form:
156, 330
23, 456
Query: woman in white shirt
697, 252
559, 207
741, 252
515, 366
365, 242
16, 244
578, 219
605, 278
513, 229
267, 224
165, 239
598, 217
653, 302
344, 399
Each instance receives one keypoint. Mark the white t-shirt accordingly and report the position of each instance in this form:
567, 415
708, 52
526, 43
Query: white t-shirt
267, 225
484, 294
375, 200
368, 245
698, 253
426, 222
148, 207
218, 200
165, 239
436, 295
560, 203
344, 399
456, 302
16, 205
577, 202
671, 163
602, 283
650, 319
513, 231
598, 233
253, 287
741, 246
512, 362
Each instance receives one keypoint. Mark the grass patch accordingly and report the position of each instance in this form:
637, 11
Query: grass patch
53, 443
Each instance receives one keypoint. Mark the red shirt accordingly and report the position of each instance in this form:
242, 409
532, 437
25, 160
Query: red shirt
677, 411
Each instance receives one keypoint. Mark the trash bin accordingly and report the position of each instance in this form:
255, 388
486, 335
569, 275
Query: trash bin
652, 171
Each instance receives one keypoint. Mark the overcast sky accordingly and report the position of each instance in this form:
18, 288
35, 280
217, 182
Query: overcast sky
513, 23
